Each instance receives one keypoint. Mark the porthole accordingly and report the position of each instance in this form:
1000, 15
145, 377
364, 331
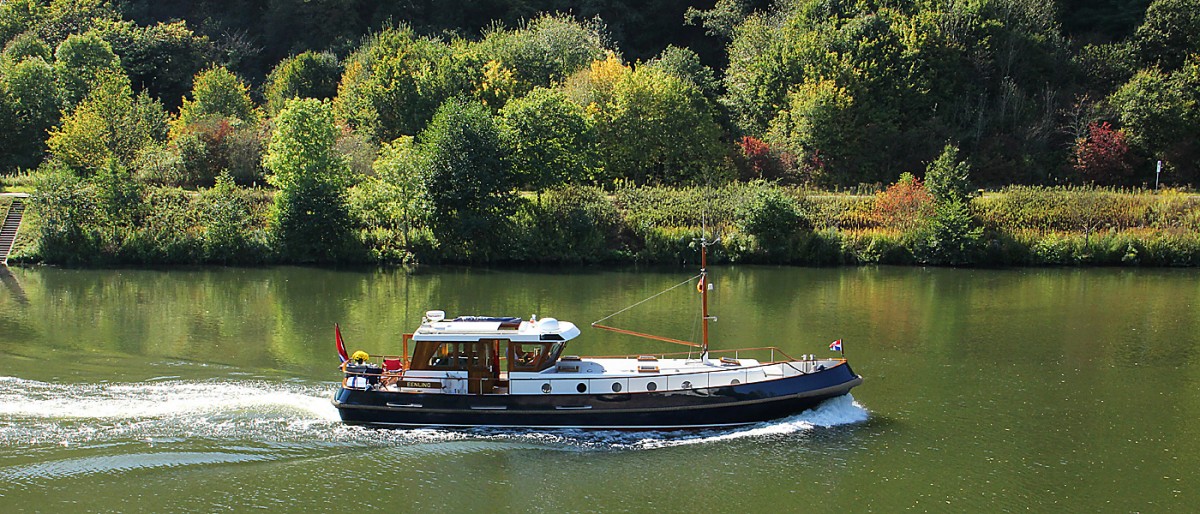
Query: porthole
735, 382
651, 386
582, 387
687, 385
616, 387
546, 387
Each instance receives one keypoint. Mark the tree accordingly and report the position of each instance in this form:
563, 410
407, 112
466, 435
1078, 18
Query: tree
78, 62
62, 18
1103, 156
905, 205
659, 128
683, 63
218, 93
66, 207
466, 179
550, 138
720, 21
771, 216
27, 89
817, 123
26, 45
542, 52
307, 75
161, 58
228, 225
395, 82
310, 220
17, 16
1160, 114
395, 200
947, 178
1170, 33
110, 124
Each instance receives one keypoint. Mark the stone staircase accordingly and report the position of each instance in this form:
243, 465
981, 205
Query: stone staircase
12, 224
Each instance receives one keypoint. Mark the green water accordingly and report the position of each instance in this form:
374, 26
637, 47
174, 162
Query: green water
207, 391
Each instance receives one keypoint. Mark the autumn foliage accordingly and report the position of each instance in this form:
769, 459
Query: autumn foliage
904, 204
1103, 156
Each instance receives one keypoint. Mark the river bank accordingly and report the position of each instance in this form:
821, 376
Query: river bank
756, 223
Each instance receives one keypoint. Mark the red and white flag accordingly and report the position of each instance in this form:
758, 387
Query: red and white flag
341, 347
836, 345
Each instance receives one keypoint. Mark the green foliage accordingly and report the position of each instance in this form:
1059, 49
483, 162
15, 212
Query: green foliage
118, 199
79, 63
658, 128
951, 238
110, 124
63, 18
551, 139
865, 89
161, 59
215, 145
1161, 114
1170, 33
18, 16
685, 64
467, 183
647, 207
307, 75
230, 234
28, 96
1044, 209
217, 93
394, 83
310, 221
720, 21
394, 200
25, 46
771, 216
65, 206
540, 53
948, 179
569, 224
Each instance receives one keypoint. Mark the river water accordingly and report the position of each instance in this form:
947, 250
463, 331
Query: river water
207, 390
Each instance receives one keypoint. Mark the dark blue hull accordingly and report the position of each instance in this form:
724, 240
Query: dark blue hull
719, 406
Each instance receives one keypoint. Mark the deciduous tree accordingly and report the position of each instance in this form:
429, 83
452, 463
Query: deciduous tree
310, 221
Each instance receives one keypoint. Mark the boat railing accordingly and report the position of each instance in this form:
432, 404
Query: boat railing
737, 353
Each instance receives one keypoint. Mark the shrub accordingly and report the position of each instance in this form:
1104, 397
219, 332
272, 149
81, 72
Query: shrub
905, 204
772, 217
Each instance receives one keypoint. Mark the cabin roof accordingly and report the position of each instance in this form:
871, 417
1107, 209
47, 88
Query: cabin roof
474, 328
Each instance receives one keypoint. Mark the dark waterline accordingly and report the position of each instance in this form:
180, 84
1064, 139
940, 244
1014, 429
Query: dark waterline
207, 390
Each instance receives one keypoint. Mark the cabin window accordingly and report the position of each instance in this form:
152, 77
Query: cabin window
447, 356
455, 355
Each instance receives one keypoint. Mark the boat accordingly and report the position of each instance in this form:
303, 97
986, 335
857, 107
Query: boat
509, 372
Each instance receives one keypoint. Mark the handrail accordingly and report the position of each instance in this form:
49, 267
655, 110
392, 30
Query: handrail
711, 352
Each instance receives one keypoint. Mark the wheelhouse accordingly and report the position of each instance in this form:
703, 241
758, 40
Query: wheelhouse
485, 350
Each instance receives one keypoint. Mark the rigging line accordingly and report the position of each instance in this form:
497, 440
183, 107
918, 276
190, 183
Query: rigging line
660, 293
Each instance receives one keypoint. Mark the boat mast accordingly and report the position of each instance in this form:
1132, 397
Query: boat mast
703, 298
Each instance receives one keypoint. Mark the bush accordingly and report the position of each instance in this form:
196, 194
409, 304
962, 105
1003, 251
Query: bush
575, 224
772, 217
950, 238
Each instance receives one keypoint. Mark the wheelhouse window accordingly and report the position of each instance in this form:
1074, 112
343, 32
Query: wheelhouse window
454, 355
532, 356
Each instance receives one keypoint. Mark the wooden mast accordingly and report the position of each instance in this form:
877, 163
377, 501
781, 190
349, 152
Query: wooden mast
703, 298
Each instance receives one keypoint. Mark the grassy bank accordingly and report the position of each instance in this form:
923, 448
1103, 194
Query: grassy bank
756, 223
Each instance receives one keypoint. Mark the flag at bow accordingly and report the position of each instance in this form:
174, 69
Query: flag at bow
836, 346
341, 347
